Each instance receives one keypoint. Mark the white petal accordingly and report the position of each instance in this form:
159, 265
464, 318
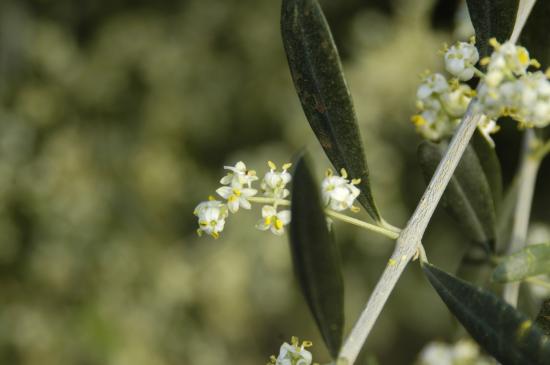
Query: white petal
225, 192
284, 216
233, 205
268, 211
244, 203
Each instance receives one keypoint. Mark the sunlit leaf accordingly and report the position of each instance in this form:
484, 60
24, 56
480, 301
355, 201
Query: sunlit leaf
543, 318
501, 330
492, 18
468, 197
531, 261
319, 81
316, 258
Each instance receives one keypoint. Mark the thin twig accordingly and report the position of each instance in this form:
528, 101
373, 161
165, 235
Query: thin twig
527, 179
411, 236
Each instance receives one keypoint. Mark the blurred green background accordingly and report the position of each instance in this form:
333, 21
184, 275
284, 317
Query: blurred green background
116, 118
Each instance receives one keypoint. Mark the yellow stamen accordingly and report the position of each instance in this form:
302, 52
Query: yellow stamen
211, 198
473, 39
236, 192
278, 223
287, 165
329, 172
485, 61
493, 42
418, 120
344, 173
199, 232
216, 235
267, 221
523, 57
307, 344
392, 262
356, 181
535, 63
354, 209
271, 165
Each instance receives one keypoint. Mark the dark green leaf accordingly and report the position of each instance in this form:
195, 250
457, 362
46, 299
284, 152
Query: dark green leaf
319, 81
531, 261
490, 164
501, 330
316, 258
535, 35
492, 18
543, 318
468, 197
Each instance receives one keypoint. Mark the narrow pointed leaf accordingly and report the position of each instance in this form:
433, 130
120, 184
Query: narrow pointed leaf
316, 258
468, 197
534, 35
492, 18
531, 261
501, 330
319, 81
490, 164
543, 318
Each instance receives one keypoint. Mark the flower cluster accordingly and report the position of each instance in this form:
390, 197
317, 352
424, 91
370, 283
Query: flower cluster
338, 192
237, 191
293, 354
464, 352
506, 89
442, 103
509, 89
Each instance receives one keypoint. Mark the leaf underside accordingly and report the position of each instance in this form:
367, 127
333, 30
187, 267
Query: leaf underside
316, 258
467, 198
531, 261
319, 81
501, 330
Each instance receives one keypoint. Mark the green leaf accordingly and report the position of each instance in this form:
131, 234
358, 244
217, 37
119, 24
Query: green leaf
319, 81
505, 216
490, 164
531, 261
468, 197
316, 258
492, 18
501, 330
543, 318
535, 36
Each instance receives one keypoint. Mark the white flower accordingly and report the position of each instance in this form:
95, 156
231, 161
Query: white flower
211, 216
509, 58
434, 125
338, 193
436, 353
455, 101
460, 60
236, 197
274, 182
273, 219
487, 127
292, 354
534, 100
239, 176
465, 351
432, 84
